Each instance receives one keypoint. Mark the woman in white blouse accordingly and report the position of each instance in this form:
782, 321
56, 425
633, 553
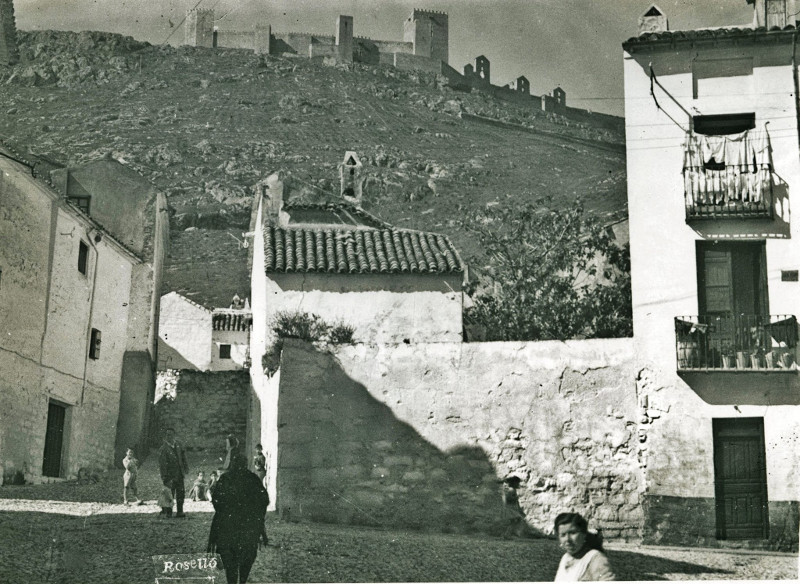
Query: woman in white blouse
584, 559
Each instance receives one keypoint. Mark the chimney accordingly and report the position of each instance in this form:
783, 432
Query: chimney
271, 190
771, 13
654, 20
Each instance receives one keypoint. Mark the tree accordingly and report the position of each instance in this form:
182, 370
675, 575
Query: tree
553, 273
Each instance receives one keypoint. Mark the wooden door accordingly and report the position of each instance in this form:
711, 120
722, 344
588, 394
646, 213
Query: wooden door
740, 476
54, 440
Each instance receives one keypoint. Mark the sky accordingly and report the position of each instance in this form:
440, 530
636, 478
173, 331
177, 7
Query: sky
573, 44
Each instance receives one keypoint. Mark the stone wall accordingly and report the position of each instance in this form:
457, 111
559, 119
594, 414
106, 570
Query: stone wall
236, 39
423, 435
206, 407
9, 53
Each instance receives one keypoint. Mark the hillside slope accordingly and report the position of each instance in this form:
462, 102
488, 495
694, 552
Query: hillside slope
204, 125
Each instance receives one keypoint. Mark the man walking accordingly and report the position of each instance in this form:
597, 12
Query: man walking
172, 466
240, 505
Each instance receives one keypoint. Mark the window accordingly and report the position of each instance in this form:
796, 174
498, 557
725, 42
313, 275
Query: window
81, 202
224, 351
724, 124
83, 257
94, 345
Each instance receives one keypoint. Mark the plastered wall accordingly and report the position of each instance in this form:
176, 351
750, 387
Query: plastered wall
49, 307
184, 334
377, 315
422, 435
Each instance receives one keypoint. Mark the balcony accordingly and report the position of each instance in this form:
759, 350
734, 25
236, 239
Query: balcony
728, 192
765, 343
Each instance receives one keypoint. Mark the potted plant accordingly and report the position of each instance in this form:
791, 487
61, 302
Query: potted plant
741, 363
728, 357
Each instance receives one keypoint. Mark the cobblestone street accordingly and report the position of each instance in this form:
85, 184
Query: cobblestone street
69, 533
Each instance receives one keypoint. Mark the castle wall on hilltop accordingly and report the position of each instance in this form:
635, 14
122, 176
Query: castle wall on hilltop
425, 47
425, 33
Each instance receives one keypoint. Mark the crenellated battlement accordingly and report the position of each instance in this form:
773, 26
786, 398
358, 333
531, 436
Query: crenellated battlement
201, 11
416, 11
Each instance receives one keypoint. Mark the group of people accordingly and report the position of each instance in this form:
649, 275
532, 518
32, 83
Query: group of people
240, 502
239, 497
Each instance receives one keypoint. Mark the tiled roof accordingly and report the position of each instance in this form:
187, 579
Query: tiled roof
358, 251
228, 321
712, 34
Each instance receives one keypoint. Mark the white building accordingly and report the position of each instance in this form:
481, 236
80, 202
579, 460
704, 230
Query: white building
346, 266
69, 291
194, 337
713, 169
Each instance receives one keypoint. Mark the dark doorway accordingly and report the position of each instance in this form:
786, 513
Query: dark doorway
732, 295
214, 39
54, 440
740, 477
732, 278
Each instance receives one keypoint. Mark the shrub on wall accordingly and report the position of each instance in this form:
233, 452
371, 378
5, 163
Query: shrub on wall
306, 327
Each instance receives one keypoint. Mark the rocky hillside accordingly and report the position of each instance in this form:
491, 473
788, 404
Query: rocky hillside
204, 125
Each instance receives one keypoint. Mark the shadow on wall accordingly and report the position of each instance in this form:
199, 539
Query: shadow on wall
345, 458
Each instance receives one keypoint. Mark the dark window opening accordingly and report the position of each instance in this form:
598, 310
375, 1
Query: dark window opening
224, 351
81, 203
94, 345
722, 125
83, 257
653, 12
732, 278
352, 172
786, 275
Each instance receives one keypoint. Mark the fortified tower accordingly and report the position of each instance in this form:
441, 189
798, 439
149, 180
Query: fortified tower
199, 28
9, 54
344, 38
427, 30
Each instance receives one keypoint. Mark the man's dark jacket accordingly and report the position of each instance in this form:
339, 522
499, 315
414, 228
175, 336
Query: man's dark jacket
240, 505
172, 463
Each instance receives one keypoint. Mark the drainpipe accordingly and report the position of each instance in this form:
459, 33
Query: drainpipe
91, 313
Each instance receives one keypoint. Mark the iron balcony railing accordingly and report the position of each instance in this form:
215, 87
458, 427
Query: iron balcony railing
740, 342
732, 191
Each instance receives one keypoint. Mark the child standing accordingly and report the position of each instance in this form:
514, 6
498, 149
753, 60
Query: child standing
129, 477
165, 502
260, 462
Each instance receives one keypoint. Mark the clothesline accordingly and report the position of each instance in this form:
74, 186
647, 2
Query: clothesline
734, 168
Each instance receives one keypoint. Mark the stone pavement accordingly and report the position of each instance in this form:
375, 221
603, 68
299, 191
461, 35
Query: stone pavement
67, 533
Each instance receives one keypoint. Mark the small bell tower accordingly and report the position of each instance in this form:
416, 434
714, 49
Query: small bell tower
350, 177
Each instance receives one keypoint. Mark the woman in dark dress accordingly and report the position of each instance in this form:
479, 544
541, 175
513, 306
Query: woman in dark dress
240, 505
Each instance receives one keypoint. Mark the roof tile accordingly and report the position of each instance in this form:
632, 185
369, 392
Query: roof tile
358, 251
707, 34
